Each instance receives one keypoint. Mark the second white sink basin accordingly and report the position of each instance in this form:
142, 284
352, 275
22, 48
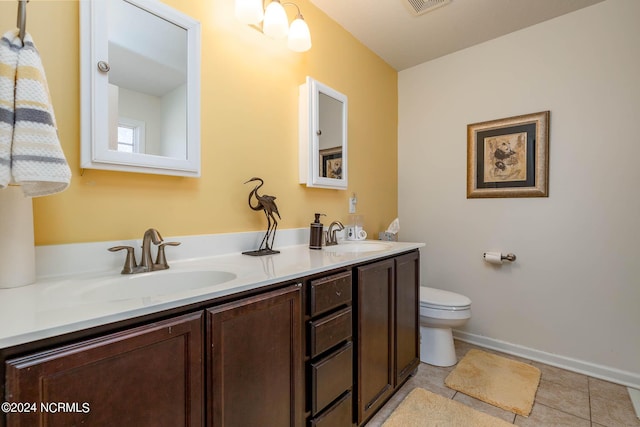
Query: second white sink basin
357, 246
152, 284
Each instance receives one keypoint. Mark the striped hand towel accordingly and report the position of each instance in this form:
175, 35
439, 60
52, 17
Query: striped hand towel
8, 64
37, 160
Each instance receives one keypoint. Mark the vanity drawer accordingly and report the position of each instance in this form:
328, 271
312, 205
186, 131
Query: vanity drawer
338, 415
329, 331
330, 377
330, 292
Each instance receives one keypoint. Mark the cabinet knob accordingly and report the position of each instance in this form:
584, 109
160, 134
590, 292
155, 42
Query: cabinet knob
104, 66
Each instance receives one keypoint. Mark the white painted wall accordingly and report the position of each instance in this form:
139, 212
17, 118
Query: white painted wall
573, 295
330, 117
144, 108
173, 124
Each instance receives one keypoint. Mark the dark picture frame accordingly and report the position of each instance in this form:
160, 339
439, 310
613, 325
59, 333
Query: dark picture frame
509, 157
331, 163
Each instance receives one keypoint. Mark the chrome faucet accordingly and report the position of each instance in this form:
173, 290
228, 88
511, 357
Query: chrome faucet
330, 234
146, 264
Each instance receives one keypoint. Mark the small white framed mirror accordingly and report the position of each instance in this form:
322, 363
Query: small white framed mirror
322, 128
140, 88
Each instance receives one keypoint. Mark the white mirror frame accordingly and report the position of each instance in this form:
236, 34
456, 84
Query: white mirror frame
95, 153
309, 139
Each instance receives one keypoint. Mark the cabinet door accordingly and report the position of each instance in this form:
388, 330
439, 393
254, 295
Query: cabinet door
255, 361
146, 376
407, 327
375, 300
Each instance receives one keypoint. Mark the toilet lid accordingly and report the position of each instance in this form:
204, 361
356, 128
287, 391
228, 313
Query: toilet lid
438, 298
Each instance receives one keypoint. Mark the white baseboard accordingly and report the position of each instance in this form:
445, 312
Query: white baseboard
629, 379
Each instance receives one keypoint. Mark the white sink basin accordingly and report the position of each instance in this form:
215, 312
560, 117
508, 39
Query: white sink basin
358, 247
152, 284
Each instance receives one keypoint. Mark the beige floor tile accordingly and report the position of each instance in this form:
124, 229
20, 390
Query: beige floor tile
610, 404
544, 416
378, 419
381, 416
613, 412
481, 406
566, 399
563, 399
607, 390
509, 356
463, 347
570, 379
432, 378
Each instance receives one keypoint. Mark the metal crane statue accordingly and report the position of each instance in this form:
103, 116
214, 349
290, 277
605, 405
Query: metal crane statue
266, 204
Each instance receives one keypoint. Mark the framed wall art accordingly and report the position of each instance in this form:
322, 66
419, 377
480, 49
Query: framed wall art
509, 157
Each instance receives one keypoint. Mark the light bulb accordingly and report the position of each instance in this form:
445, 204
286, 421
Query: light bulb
299, 36
275, 23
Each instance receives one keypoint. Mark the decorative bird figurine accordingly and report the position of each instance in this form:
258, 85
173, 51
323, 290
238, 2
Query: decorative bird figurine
266, 204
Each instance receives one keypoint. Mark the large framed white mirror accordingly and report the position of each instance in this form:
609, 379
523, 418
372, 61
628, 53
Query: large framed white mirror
140, 88
322, 127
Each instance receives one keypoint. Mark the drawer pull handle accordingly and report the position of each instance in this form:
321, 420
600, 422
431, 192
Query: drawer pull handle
338, 293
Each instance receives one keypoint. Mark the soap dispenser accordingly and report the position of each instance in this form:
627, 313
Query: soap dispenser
315, 236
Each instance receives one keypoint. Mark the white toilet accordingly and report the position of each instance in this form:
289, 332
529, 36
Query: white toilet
439, 312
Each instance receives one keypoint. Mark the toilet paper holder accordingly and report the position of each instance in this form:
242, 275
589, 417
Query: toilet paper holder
507, 257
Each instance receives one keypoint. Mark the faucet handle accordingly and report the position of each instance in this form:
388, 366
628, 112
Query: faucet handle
161, 260
130, 262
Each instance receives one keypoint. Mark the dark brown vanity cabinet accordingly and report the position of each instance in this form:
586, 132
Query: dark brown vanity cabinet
254, 361
406, 316
329, 355
387, 334
155, 375
146, 376
374, 336
324, 353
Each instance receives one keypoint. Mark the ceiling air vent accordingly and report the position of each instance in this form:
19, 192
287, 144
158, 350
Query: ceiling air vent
419, 7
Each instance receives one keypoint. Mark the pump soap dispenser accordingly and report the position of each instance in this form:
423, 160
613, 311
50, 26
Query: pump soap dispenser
315, 236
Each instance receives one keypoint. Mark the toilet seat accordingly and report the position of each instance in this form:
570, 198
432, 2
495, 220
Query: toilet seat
438, 299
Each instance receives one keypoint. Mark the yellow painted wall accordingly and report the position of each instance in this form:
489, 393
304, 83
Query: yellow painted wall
249, 128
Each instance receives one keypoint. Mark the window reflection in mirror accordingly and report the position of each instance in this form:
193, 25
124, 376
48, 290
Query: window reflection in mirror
147, 82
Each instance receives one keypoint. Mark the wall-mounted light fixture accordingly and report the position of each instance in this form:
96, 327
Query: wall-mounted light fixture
275, 23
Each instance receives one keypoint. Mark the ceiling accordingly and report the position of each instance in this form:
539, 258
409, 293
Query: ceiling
391, 29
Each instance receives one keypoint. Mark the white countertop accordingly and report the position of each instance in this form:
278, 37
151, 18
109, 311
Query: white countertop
58, 305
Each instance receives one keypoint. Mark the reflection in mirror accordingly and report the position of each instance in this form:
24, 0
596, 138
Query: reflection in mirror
147, 82
323, 136
140, 88
330, 136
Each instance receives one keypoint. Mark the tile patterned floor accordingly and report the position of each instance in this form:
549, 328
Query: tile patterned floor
563, 399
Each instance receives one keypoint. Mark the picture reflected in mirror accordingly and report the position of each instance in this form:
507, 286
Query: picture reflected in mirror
331, 163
